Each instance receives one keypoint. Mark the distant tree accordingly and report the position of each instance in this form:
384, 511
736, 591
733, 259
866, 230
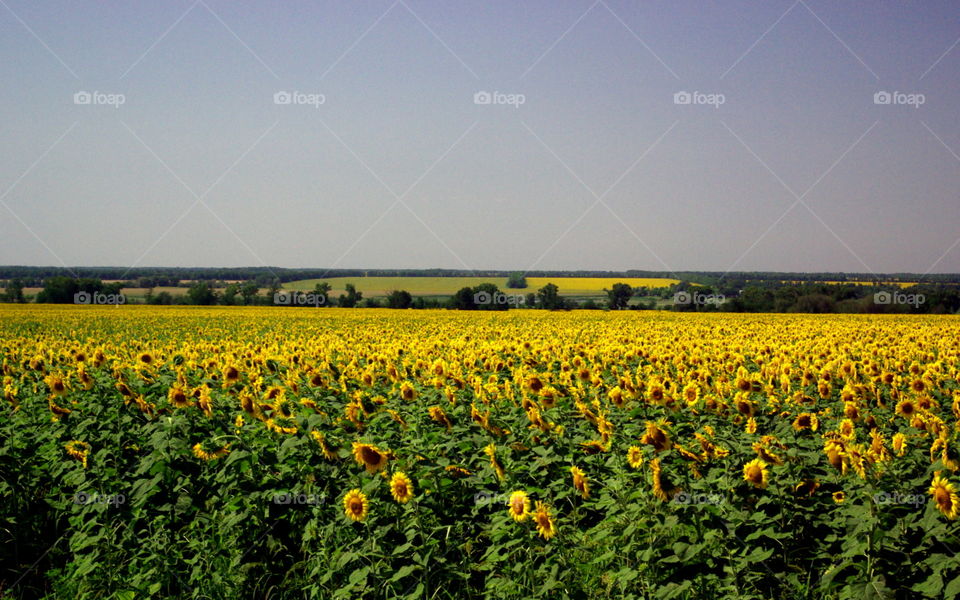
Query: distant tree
249, 291
487, 296
531, 300
371, 303
463, 299
163, 298
14, 291
399, 299
322, 291
229, 296
62, 290
548, 297
273, 289
516, 281
619, 296
201, 294
815, 303
351, 298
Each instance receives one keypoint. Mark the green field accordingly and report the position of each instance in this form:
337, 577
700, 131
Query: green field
447, 286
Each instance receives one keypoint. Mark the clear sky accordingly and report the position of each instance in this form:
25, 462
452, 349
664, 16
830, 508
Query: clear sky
781, 135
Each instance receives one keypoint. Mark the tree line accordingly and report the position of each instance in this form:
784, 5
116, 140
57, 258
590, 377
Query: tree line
758, 296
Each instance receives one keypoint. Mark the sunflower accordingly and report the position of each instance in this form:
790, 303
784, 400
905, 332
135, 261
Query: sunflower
806, 421
945, 496
78, 450
401, 487
663, 489
807, 487
899, 443
178, 397
145, 358
847, 429
839, 497
656, 437
519, 506
329, 452
533, 383
593, 446
580, 482
355, 505
407, 392
635, 457
755, 472
437, 414
58, 387
906, 409
230, 375
491, 451
457, 471
544, 520
751, 426
202, 454
369, 456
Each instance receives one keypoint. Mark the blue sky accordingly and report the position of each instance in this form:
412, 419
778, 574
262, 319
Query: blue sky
817, 137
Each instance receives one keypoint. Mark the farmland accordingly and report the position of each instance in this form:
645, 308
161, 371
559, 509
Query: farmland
447, 286
252, 452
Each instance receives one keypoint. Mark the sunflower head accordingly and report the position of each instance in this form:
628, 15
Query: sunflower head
655, 436
544, 520
755, 472
945, 496
401, 488
580, 482
369, 456
635, 457
806, 421
519, 506
355, 505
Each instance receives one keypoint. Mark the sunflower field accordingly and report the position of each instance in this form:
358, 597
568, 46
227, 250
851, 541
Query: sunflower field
161, 452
